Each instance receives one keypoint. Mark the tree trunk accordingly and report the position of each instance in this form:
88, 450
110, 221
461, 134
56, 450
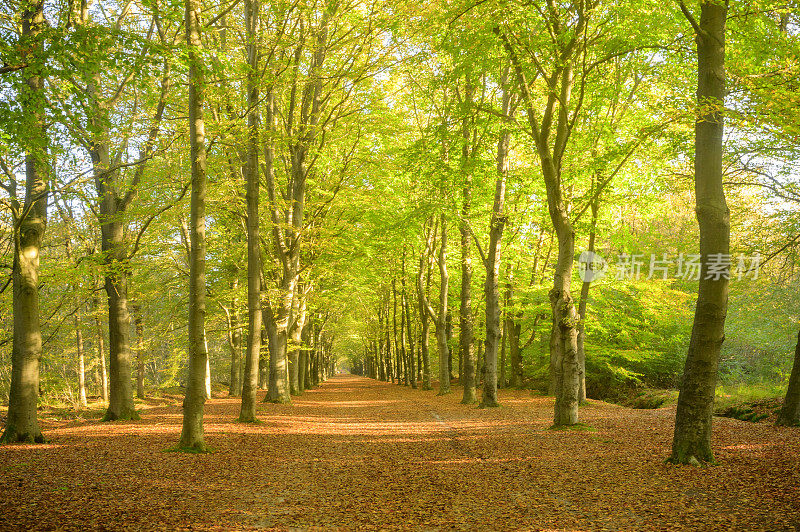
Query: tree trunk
441, 323
247, 413
790, 412
278, 325
194, 401
278, 391
466, 342
296, 332
29, 224
692, 440
555, 119
492, 288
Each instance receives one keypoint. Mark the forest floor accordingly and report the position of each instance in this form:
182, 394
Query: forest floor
360, 454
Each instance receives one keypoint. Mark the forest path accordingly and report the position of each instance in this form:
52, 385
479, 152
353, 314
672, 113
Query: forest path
360, 454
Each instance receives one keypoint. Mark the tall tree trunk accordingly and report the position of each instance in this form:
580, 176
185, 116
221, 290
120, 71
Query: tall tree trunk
247, 413
30, 222
194, 401
492, 287
692, 439
422, 297
790, 412
584, 300
445, 366
556, 120
277, 324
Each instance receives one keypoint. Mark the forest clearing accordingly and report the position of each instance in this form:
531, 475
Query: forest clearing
358, 454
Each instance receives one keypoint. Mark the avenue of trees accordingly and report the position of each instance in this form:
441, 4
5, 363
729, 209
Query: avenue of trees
581, 197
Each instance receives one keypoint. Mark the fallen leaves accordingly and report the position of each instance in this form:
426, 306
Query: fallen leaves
360, 454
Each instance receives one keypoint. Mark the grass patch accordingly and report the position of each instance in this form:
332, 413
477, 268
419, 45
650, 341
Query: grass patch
727, 396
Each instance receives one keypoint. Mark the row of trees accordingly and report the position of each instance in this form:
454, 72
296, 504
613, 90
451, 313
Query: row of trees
382, 132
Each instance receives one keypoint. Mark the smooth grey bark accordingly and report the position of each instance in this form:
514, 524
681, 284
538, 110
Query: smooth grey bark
193, 403
29, 225
247, 413
691, 443
789, 414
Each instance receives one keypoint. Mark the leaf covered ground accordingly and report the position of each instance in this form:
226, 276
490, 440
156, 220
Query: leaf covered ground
359, 454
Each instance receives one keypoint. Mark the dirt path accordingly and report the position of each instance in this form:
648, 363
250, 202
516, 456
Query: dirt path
360, 454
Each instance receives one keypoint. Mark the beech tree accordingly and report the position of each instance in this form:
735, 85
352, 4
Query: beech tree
192, 433
29, 224
692, 439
